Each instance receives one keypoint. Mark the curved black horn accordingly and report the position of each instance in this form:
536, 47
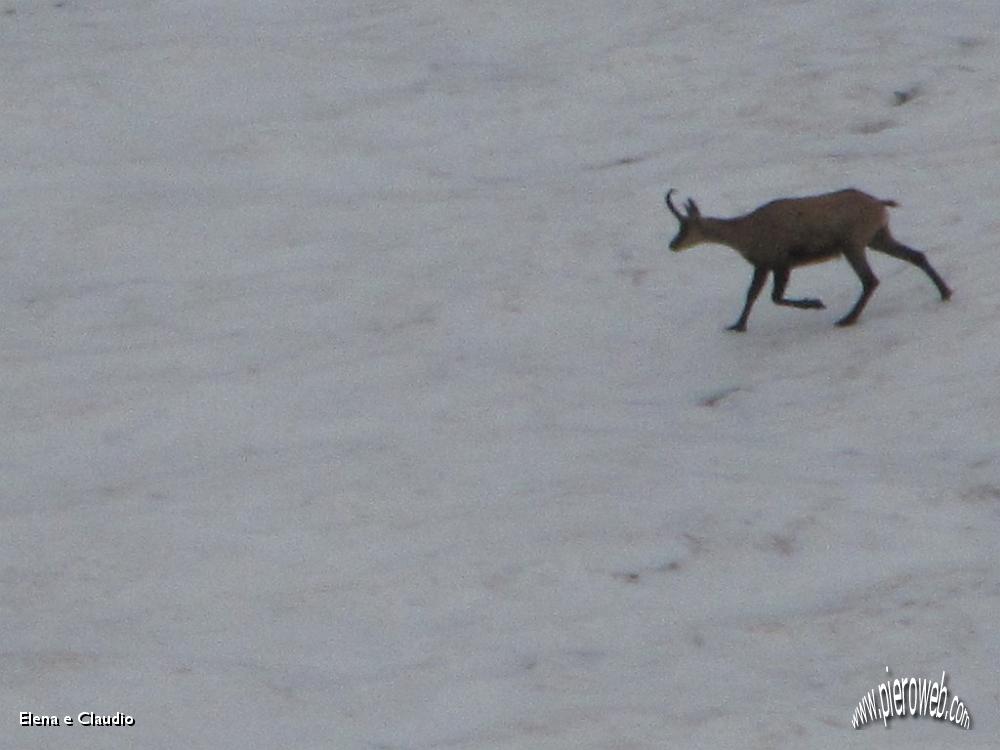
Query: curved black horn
673, 208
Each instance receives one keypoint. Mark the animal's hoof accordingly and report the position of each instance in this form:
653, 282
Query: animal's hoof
815, 304
844, 322
741, 327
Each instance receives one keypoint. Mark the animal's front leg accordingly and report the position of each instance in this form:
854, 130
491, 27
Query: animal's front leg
756, 284
778, 293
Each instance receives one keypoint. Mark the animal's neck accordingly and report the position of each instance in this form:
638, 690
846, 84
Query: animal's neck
722, 231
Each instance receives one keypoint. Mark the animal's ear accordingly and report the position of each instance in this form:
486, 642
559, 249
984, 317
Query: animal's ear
692, 209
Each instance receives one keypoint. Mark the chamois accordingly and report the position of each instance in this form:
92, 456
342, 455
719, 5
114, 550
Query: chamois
791, 232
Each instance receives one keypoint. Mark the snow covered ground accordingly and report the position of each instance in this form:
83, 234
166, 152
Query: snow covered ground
352, 399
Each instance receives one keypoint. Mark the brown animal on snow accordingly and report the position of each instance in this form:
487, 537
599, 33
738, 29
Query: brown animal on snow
791, 232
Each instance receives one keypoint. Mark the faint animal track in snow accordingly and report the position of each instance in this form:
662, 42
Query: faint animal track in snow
872, 127
714, 399
982, 493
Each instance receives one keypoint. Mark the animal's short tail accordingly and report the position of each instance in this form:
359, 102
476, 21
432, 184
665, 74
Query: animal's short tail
890, 204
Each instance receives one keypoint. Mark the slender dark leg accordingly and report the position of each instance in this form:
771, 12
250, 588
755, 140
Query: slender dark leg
756, 284
886, 243
856, 257
778, 293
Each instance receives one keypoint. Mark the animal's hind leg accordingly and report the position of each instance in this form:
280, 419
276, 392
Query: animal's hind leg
886, 243
778, 293
856, 257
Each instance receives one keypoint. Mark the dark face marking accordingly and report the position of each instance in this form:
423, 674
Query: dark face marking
681, 234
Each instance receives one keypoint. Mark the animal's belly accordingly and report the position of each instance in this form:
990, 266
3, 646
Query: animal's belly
806, 255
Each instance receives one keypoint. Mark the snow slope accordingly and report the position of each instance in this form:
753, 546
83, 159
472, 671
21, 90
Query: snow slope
352, 399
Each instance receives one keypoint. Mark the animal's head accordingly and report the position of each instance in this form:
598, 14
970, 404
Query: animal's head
690, 232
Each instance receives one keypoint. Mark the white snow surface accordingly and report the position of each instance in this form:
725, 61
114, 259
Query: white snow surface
351, 397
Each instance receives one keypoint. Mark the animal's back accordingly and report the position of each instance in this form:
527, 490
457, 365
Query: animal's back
818, 221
